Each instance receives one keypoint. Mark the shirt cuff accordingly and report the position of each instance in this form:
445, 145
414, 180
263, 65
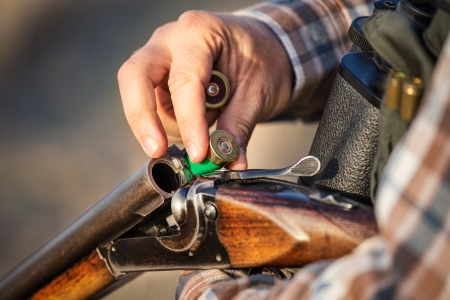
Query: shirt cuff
299, 74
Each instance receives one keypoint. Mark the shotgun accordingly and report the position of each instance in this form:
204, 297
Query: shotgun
163, 217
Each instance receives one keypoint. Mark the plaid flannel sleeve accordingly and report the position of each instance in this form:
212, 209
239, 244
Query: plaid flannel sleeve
314, 35
409, 258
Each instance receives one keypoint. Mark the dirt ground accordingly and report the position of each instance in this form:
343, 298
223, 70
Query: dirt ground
64, 141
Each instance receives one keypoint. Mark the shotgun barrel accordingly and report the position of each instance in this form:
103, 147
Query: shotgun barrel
125, 206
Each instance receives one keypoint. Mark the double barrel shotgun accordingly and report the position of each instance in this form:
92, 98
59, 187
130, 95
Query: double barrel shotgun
163, 217
175, 214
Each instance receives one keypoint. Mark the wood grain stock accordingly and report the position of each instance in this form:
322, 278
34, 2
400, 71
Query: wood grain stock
83, 280
262, 228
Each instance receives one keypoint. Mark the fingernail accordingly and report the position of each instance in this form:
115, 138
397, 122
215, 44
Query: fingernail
192, 150
150, 146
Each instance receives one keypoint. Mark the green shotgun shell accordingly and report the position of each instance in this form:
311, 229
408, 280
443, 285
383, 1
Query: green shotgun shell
222, 150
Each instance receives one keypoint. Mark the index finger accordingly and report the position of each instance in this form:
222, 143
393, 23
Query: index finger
192, 61
138, 78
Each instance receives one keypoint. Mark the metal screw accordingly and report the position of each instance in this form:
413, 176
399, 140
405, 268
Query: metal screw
190, 253
389, 3
113, 249
218, 257
210, 211
212, 89
224, 146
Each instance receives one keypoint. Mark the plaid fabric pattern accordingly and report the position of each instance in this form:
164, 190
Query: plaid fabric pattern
314, 34
410, 258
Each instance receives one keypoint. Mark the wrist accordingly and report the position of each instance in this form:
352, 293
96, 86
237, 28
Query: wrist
272, 22
275, 73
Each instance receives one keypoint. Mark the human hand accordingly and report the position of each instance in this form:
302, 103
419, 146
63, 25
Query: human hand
163, 84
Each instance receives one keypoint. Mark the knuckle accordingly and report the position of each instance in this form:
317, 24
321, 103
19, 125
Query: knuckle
131, 66
184, 122
193, 19
134, 119
244, 128
200, 30
178, 80
160, 31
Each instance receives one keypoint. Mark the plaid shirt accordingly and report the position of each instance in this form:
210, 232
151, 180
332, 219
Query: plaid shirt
314, 34
409, 258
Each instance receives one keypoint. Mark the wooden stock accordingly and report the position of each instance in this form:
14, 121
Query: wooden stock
261, 228
83, 280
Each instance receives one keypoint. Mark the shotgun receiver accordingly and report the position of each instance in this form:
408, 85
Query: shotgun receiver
161, 218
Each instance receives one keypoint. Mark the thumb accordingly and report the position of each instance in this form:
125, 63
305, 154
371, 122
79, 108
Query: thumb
240, 121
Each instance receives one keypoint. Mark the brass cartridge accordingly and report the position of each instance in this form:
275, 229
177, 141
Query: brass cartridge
218, 90
394, 89
412, 90
222, 148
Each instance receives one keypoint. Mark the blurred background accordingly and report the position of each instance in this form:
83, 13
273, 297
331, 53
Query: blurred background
64, 141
